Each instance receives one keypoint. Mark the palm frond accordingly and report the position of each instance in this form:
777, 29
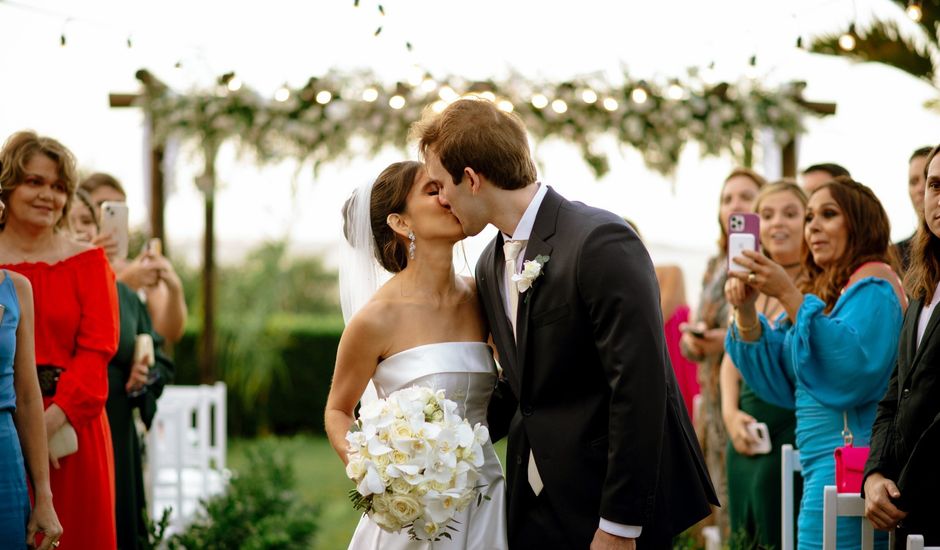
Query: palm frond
930, 16
882, 42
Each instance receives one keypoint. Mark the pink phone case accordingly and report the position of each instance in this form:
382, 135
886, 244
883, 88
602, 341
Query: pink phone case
743, 223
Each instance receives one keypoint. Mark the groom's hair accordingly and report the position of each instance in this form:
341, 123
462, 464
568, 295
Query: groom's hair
474, 133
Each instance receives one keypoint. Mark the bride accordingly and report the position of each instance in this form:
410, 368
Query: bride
423, 327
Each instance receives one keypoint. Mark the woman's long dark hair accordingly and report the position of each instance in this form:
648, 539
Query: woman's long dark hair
924, 272
868, 239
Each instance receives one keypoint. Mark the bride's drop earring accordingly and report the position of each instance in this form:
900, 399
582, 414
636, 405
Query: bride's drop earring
411, 247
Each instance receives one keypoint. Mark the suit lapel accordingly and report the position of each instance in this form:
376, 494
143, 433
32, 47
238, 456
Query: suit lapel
931, 327
542, 230
907, 348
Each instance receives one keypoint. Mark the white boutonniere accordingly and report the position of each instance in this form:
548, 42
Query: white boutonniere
531, 270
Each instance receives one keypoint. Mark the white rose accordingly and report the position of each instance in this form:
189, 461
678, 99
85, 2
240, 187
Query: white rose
404, 508
385, 521
356, 468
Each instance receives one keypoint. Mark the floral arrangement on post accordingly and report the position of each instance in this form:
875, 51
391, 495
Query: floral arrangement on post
415, 462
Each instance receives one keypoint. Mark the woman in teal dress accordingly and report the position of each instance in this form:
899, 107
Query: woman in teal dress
131, 385
832, 355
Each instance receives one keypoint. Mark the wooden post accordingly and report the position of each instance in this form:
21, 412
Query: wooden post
206, 183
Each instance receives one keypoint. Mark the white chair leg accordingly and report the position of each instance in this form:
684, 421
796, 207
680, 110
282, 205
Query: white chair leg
830, 509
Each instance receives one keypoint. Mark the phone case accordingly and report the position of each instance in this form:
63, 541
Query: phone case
759, 431
114, 220
743, 234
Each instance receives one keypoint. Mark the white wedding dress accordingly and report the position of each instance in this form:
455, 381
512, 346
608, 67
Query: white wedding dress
467, 374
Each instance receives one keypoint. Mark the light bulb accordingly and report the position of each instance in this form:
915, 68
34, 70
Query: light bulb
589, 96
559, 106
505, 105
234, 84
915, 12
396, 102
282, 94
539, 101
639, 95
428, 85
675, 91
447, 94
324, 97
611, 104
488, 95
370, 94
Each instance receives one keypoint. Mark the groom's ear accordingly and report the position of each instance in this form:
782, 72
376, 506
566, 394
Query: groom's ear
474, 180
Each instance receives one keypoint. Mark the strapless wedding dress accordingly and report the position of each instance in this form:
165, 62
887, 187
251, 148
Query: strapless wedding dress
467, 374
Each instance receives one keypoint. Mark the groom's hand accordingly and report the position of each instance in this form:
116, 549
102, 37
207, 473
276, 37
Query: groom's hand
605, 541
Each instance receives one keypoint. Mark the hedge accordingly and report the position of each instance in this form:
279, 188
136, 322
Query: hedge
306, 346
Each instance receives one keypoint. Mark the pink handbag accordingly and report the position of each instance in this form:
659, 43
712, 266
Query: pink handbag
850, 462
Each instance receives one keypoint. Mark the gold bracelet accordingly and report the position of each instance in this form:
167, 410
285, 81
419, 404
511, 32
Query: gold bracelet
749, 329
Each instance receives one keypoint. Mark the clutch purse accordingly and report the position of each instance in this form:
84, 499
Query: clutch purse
850, 462
64, 442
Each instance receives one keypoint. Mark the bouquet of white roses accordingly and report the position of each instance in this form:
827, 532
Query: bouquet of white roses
415, 462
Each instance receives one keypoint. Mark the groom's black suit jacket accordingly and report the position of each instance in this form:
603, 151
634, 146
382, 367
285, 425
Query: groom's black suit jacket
588, 384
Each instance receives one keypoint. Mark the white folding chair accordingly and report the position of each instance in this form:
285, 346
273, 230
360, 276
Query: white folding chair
845, 505
789, 465
916, 542
186, 450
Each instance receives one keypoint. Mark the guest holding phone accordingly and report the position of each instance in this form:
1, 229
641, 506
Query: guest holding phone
902, 478
703, 340
831, 356
754, 472
150, 273
136, 379
75, 329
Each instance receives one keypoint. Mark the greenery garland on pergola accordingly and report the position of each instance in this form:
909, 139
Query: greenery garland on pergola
343, 114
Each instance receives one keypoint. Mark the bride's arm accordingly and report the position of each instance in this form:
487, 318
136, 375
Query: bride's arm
356, 358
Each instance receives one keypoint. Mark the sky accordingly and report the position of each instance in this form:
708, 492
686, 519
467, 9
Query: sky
63, 92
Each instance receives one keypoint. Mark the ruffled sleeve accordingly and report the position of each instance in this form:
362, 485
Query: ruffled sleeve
762, 363
83, 386
844, 359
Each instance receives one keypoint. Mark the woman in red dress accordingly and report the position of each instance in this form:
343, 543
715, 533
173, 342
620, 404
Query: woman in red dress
75, 329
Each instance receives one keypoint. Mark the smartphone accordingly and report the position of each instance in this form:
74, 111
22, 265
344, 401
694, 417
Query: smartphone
694, 331
743, 234
114, 221
155, 247
761, 435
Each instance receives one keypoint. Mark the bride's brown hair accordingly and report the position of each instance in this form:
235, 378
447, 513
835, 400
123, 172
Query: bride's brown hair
389, 195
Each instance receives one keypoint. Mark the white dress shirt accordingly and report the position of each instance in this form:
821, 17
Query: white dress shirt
925, 314
522, 233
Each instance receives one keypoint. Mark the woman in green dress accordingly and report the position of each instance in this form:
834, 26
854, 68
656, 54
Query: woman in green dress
131, 385
754, 477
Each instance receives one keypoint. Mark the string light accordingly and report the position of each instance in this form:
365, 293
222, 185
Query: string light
396, 102
589, 96
447, 94
674, 91
505, 105
847, 40
539, 101
282, 94
324, 97
559, 106
428, 85
639, 95
488, 95
611, 104
370, 94
915, 11
234, 84
439, 106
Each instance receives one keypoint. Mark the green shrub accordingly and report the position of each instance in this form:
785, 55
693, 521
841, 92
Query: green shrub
285, 394
259, 509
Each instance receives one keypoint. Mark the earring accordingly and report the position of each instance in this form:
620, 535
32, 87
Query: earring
411, 247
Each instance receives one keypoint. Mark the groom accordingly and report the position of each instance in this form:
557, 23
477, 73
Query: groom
601, 453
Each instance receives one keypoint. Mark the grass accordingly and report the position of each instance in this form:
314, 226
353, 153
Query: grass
322, 481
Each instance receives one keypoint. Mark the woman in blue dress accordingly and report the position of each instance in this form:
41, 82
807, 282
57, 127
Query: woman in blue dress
22, 429
830, 356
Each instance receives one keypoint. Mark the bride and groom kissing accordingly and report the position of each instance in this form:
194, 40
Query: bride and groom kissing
600, 452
